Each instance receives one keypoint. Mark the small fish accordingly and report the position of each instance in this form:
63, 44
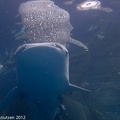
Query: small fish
69, 2
1, 66
13, 31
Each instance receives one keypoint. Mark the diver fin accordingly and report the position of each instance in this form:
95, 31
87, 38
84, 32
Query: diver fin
78, 43
11, 98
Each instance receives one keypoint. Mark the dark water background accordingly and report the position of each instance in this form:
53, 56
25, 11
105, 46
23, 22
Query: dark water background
97, 70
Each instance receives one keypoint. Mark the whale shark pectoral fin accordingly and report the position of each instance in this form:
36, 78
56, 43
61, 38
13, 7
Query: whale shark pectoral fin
77, 88
77, 42
11, 98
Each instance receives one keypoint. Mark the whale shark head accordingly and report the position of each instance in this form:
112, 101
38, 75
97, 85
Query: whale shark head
43, 66
43, 76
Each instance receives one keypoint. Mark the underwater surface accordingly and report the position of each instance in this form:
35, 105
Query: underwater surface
96, 69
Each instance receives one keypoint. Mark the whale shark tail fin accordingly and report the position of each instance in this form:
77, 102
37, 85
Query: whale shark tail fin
10, 99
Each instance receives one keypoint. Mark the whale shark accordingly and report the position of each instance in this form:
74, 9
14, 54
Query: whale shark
42, 71
44, 21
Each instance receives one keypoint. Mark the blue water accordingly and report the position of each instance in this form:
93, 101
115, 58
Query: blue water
97, 70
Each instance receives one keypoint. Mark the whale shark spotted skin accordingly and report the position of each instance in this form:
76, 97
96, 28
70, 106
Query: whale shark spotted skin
43, 76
